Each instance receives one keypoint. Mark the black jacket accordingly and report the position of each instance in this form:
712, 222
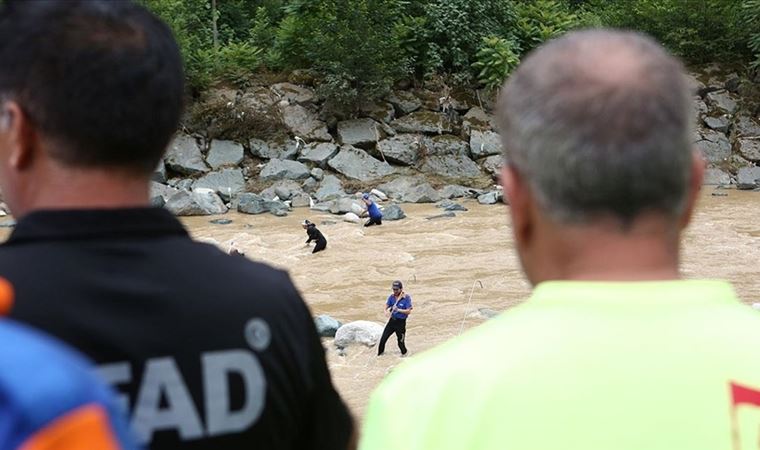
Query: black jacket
314, 234
208, 351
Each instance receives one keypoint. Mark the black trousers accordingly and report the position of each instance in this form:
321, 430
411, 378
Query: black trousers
321, 245
397, 326
374, 221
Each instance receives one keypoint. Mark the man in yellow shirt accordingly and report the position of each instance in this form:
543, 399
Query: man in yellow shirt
613, 350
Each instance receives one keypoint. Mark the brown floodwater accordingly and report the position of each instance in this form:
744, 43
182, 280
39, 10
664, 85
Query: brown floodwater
452, 267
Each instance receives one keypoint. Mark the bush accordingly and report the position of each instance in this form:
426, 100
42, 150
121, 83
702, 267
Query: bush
751, 20
541, 20
495, 60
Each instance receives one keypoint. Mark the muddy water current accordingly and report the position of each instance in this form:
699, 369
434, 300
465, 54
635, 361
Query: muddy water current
452, 267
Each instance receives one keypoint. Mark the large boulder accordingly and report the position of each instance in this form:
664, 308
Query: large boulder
224, 153
226, 182
360, 332
476, 119
722, 100
258, 100
184, 156
318, 153
300, 201
159, 174
161, 190
448, 205
427, 122
456, 191
446, 145
714, 146
359, 132
380, 111
422, 193
493, 165
746, 126
330, 188
202, 202
749, 148
401, 149
326, 325
451, 166
405, 102
282, 189
303, 122
484, 143
716, 177
748, 178
399, 187
490, 198
277, 149
278, 169
358, 164
345, 205
351, 218
293, 93
393, 212
255, 204
719, 123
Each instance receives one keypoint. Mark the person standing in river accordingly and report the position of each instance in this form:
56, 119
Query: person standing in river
398, 307
314, 235
206, 350
614, 350
375, 216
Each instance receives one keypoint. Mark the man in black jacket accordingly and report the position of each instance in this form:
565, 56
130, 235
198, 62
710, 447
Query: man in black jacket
207, 351
314, 235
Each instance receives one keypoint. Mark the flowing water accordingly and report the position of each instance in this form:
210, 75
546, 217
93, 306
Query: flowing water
452, 267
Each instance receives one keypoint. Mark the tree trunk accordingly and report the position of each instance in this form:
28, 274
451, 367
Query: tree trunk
213, 24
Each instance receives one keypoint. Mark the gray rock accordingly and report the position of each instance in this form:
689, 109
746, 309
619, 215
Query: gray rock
694, 84
719, 194
317, 173
157, 201
293, 93
476, 119
161, 190
351, 217
8, 224
359, 332
282, 189
451, 166
380, 195
427, 122
380, 111
457, 191
203, 202
252, 204
300, 201
405, 102
227, 183
446, 215
326, 325
304, 123
184, 156
746, 126
310, 185
359, 165
493, 165
489, 198
220, 221
401, 149
422, 193
714, 146
393, 212
278, 209
181, 184
260, 100
359, 132
487, 313
733, 83
322, 207
400, 186
345, 205
159, 175
318, 154
277, 169
283, 193
278, 149
330, 188
720, 123
448, 205
749, 148
722, 100
446, 145
484, 143
224, 153
700, 107
714, 176
748, 178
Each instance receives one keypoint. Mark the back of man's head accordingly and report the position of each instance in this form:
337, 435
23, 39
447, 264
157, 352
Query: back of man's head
598, 123
101, 80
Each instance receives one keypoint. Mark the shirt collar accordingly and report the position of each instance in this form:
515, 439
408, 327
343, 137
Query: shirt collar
95, 223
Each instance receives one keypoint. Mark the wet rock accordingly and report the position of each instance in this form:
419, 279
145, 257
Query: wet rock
393, 212
360, 332
249, 203
487, 313
221, 221
456, 191
748, 178
278, 208
749, 148
224, 153
322, 207
404, 102
326, 325
359, 165
422, 193
318, 154
330, 188
401, 149
722, 100
184, 156
451, 166
345, 205
303, 122
489, 198
293, 93
277, 169
201, 202
351, 218
448, 205
484, 143
720, 123
227, 183
426, 122
446, 215
714, 146
716, 177
719, 194
359, 132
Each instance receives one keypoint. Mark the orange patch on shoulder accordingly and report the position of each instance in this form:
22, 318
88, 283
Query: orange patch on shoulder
85, 428
6, 297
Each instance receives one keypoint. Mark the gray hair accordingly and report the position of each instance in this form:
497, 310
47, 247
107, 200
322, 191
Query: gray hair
599, 123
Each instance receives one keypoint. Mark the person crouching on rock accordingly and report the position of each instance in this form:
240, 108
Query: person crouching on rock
375, 216
314, 235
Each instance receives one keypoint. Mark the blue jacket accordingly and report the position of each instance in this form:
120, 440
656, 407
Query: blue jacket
404, 302
374, 211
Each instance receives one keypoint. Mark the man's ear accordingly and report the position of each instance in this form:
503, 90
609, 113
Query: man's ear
20, 134
695, 186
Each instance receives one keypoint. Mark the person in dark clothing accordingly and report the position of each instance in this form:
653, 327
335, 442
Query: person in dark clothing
399, 306
375, 216
314, 235
206, 350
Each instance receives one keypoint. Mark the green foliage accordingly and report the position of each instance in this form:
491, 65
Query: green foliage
495, 60
751, 20
541, 20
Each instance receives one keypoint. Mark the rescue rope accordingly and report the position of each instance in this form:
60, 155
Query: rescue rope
461, 327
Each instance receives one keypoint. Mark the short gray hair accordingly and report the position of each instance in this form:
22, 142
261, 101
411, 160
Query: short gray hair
599, 123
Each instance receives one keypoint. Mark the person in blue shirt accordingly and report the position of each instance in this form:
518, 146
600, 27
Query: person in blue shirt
375, 216
399, 305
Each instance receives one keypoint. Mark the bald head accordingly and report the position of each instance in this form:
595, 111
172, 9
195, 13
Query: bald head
598, 123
